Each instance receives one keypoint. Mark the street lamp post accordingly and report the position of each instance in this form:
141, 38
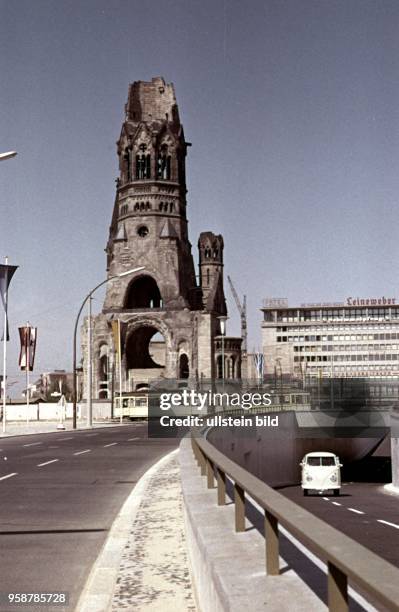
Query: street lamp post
88, 297
7, 155
89, 370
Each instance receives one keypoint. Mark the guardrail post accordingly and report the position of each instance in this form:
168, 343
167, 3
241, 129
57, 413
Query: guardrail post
194, 447
210, 481
271, 544
239, 501
221, 482
196, 451
202, 461
337, 589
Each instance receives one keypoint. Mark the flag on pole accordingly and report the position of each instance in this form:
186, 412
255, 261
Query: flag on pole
116, 332
6, 274
27, 336
259, 364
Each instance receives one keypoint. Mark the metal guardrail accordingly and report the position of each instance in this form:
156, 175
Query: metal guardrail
345, 558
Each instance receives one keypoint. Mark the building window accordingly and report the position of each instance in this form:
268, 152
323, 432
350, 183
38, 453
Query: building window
143, 166
164, 164
143, 231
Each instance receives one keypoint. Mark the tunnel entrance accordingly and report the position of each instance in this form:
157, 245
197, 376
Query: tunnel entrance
143, 293
145, 349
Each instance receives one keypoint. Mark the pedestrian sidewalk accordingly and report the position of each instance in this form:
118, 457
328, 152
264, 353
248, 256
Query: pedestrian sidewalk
22, 428
144, 563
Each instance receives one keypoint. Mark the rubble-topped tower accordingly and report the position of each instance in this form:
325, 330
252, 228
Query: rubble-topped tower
149, 224
169, 321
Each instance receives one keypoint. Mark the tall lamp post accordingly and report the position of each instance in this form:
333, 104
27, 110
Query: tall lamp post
7, 155
88, 297
222, 320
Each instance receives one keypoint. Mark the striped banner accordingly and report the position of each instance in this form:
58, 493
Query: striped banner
27, 337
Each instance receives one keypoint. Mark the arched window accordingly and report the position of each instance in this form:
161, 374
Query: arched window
207, 276
127, 158
184, 369
145, 348
143, 292
171, 207
143, 166
103, 373
164, 163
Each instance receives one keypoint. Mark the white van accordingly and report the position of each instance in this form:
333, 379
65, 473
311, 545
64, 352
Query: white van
321, 472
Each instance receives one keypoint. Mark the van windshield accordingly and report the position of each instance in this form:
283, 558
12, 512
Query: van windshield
321, 461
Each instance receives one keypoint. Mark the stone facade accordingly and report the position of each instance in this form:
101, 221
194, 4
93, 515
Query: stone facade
162, 305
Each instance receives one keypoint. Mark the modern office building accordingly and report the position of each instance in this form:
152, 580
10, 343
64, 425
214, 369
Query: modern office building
356, 339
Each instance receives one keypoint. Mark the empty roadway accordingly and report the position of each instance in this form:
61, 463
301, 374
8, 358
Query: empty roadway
363, 511
60, 493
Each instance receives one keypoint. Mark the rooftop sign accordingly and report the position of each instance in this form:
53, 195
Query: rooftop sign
323, 305
275, 303
383, 301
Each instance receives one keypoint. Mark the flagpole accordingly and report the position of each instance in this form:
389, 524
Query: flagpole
5, 350
120, 369
27, 370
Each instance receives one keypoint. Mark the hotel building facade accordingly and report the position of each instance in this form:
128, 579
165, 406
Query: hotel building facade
358, 338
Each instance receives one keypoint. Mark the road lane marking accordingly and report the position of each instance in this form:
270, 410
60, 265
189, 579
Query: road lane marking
81, 452
62, 439
33, 444
387, 523
112, 444
326, 498
320, 564
88, 435
357, 511
336, 503
8, 476
130, 439
47, 462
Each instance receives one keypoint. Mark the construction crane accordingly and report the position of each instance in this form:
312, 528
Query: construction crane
242, 309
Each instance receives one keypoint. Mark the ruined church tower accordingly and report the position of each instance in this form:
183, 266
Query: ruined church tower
169, 320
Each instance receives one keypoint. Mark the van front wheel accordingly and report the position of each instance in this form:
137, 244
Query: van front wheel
305, 492
336, 492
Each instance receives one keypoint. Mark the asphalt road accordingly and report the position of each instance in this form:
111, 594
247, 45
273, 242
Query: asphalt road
59, 494
363, 511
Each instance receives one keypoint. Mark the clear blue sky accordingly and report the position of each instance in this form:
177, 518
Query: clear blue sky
292, 108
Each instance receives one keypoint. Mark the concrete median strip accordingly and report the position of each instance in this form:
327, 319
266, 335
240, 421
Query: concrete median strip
143, 565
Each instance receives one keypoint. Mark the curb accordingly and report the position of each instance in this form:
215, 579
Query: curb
99, 589
391, 489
